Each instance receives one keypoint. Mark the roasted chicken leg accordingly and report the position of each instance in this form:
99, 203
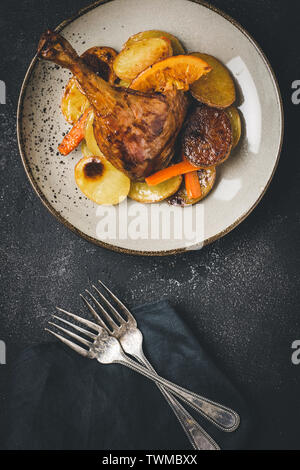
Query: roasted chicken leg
135, 131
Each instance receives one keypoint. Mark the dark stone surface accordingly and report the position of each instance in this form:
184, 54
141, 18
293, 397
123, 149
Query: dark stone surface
241, 294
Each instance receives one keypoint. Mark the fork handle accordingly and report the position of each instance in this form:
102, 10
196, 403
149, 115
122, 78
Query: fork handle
198, 438
223, 417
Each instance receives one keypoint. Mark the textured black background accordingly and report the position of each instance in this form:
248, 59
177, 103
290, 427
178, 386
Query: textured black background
240, 294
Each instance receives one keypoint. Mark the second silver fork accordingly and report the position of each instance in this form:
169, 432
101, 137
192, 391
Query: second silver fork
130, 338
124, 328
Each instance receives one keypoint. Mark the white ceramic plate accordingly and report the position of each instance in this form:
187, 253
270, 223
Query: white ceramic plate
154, 229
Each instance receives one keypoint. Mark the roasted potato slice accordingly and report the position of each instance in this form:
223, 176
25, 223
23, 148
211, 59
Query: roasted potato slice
154, 33
236, 125
124, 84
140, 55
217, 88
145, 194
74, 101
100, 181
90, 137
207, 180
207, 137
105, 185
85, 150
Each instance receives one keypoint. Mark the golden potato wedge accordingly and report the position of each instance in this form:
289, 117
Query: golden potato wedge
113, 184
145, 194
124, 84
154, 33
90, 137
140, 55
236, 125
73, 103
85, 150
217, 88
100, 181
207, 180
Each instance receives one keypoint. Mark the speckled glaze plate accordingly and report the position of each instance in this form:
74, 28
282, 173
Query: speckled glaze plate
156, 229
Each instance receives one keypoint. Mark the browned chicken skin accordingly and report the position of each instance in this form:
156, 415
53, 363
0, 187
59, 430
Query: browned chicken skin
135, 131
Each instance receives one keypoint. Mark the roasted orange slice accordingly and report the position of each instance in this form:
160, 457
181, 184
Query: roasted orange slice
207, 137
174, 72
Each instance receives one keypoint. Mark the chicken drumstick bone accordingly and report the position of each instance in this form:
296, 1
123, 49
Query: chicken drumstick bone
135, 131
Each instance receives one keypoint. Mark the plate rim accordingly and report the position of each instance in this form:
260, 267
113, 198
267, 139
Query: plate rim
110, 246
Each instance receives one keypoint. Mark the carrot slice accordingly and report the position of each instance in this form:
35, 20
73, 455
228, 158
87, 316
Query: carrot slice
75, 136
192, 185
167, 173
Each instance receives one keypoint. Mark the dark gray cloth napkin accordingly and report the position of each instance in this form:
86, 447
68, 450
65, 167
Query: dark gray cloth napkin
59, 400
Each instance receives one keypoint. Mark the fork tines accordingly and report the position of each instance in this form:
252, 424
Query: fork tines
78, 338
113, 320
109, 321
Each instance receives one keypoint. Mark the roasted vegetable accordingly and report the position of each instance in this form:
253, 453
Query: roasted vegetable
85, 150
192, 185
100, 181
217, 88
113, 185
177, 72
140, 55
207, 137
124, 84
165, 174
236, 125
74, 101
146, 194
90, 137
154, 33
76, 134
207, 180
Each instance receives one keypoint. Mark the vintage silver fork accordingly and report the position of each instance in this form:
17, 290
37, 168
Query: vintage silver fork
107, 350
124, 328
223, 417
130, 338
